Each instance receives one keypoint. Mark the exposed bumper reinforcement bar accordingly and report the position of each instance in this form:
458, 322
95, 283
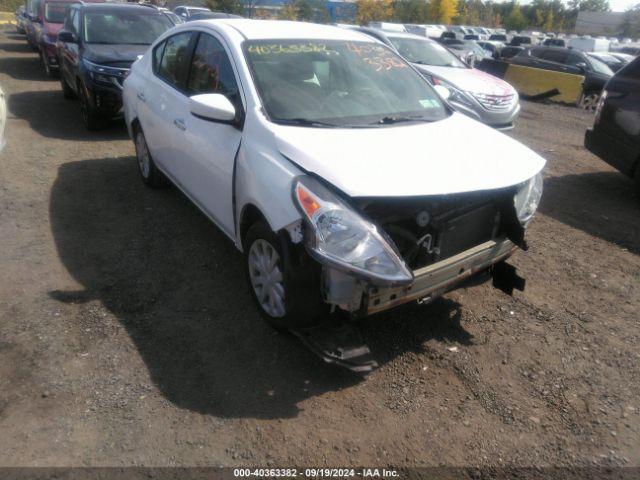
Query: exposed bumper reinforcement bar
434, 280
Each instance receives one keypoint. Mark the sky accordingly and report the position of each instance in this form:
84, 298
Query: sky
621, 5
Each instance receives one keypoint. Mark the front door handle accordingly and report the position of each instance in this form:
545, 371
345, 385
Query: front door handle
141, 97
178, 122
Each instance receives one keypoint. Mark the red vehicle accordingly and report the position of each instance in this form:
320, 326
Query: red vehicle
52, 16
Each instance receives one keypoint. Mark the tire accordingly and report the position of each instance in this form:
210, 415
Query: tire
90, 117
48, 71
149, 173
589, 101
67, 91
291, 296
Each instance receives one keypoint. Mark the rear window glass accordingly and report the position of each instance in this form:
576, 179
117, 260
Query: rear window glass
54, 12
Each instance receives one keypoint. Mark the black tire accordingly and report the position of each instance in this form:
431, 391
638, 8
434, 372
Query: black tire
149, 173
48, 71
90, 117
303, 304
67, 91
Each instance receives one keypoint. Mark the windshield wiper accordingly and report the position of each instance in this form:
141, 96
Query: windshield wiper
305, 122
389, 120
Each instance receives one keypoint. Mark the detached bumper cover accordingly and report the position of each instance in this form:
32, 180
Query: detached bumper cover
434, 280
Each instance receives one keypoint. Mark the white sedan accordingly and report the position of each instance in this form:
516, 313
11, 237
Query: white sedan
331, 163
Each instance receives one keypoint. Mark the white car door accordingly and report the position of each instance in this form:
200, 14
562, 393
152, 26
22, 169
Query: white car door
161, 96
207, 149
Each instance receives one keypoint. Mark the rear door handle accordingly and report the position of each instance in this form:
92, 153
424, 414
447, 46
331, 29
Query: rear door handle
180, 124
141, 97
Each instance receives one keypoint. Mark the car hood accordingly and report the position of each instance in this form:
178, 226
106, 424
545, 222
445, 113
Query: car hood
454, 155
117, 55
470, 80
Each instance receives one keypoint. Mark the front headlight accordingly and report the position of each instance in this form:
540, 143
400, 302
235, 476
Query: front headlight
527, 199
104, 73
338, 235
457, 96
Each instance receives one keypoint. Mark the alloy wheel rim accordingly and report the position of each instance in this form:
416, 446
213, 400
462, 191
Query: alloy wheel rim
142, 152
266, 278
590, 101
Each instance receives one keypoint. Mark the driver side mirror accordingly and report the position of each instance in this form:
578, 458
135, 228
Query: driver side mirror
212, 106
65, 36
582, 66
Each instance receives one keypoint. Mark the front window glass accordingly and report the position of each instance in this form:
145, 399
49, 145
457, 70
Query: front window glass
210, 70
339, 83
124, 27
54, 12
425, 53
175, 58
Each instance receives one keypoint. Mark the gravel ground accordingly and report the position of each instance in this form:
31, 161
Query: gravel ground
127, 334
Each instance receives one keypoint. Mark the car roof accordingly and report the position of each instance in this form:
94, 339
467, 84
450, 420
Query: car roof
107, 7
283, 29
404, 35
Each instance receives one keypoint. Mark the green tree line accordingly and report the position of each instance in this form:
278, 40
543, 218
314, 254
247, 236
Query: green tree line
544, 15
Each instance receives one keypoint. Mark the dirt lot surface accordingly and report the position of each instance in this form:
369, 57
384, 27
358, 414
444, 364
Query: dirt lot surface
127, 334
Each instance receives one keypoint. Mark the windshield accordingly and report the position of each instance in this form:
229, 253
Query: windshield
605, 58
54, 12
339, 83
425, 53
599, 66
124, 27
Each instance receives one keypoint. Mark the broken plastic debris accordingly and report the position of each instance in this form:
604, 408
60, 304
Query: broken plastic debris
340, 343
452, 349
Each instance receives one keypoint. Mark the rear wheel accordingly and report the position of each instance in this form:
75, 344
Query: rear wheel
589, 101
284, 286
150, 174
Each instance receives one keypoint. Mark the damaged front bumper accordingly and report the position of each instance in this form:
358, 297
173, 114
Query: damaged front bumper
430, 282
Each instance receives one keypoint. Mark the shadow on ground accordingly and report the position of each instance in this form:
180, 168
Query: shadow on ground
16, 47
37, 107
176, 284
24, 68
602, 204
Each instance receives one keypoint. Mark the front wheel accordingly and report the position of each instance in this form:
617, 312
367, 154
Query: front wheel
90, 117
67, 91
48, 71
284, 285
150, 174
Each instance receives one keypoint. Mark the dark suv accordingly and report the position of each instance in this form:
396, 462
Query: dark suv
96, 47
615, 136
596, 73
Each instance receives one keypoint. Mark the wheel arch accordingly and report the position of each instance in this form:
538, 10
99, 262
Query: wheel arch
249, 215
